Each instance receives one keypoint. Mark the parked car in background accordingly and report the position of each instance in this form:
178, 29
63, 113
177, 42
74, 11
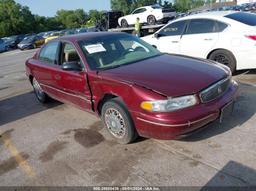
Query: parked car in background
54, 35
12, 41
226, 37
31, 42
149, 15
82, 30
116, 76
2, 46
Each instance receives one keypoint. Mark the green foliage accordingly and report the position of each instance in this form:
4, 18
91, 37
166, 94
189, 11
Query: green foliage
72, 19
14, 18
17, 19
185, 5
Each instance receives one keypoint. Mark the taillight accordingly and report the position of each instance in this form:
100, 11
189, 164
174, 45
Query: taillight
252, 37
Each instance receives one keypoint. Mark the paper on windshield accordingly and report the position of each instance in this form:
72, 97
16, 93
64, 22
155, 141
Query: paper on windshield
94, 48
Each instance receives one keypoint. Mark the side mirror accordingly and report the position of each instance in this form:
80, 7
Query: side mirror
71, 66
157, 35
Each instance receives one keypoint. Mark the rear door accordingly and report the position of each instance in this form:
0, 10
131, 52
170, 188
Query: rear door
46, 70
75, 88
168, 40
200, 37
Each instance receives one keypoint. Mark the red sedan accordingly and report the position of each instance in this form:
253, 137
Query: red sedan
135, 89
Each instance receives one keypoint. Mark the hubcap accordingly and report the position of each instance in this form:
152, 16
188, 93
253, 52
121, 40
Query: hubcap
115, 122
38, 89
151, 20
222, 59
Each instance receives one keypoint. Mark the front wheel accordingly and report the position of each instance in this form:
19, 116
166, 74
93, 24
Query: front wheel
40, 95
124, 23
151, 20
118, 121
224, 57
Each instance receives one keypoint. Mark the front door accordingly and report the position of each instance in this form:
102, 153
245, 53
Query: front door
75, 86
168, 39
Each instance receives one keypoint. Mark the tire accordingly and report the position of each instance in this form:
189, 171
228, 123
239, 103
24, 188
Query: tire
224, 57
117, 120
151, 20
124, 23
40, 95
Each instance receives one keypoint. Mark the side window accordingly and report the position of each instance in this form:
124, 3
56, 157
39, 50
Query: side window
221, 26
139, 11
69, 54
198, 26
173, 29
49, 53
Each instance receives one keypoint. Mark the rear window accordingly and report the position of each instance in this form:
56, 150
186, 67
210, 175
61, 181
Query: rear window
246, 18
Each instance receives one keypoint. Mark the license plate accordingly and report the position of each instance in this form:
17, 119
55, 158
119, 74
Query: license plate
226, 111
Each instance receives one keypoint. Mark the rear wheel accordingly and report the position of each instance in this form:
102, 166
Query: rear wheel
124, 23
118, 121
40, 95
151, 20
224, 57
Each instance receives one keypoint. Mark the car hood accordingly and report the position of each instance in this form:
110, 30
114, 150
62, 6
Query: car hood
170, 75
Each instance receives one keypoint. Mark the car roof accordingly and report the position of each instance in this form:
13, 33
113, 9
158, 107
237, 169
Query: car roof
88, 36
211, 14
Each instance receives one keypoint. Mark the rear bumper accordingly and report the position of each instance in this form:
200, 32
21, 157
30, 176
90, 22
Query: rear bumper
178, 124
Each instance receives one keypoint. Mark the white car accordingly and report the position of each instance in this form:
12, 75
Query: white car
148, 14
226, 37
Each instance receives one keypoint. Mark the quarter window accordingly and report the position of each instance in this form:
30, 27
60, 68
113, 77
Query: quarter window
173, 29
221, 26
49, 53
198, 26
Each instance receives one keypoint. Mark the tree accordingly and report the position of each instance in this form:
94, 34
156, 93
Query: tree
15, 19
72, 19
185, 5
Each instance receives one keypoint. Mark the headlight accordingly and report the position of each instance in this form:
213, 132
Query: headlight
171, 104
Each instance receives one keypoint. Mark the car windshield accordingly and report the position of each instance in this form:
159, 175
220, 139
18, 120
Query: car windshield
156, 7
11, 38
28, 38
55, 34
104, 53
246, 18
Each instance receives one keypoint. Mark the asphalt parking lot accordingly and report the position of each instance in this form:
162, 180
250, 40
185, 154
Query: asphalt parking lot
58, 145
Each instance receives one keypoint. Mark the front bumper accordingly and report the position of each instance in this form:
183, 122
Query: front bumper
178, 124
25, 46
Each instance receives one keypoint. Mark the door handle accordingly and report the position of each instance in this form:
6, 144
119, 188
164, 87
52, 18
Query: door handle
57, 77
175, 41
208, 39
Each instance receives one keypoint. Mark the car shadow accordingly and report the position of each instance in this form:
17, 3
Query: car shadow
247, 72
232, 175
21, 106
244, 109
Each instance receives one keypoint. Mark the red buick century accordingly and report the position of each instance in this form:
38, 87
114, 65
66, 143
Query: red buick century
135, 89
